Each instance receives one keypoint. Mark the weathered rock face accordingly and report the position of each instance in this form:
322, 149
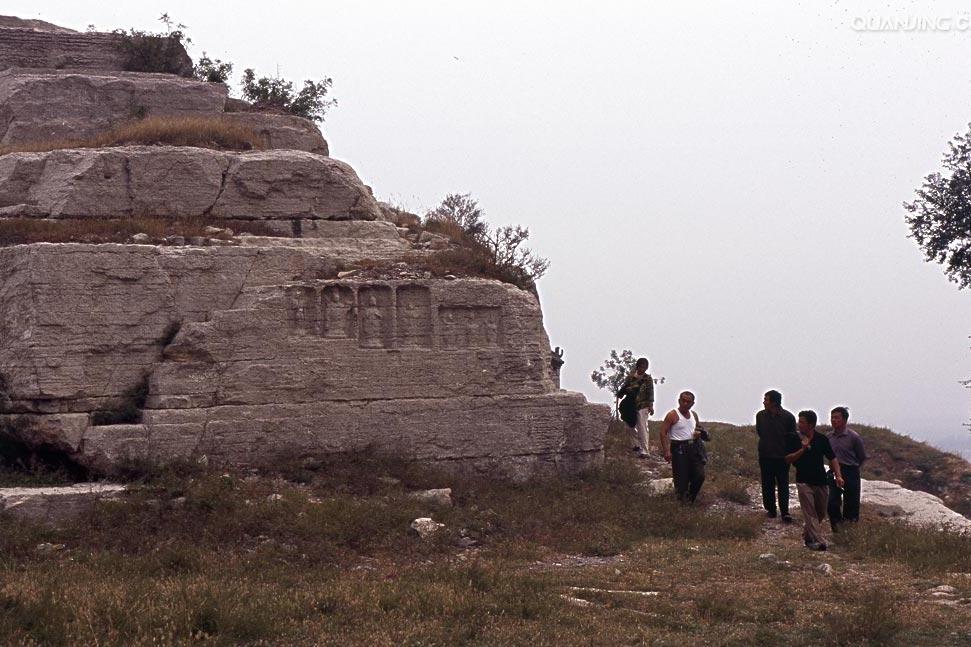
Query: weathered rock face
173, 181
42, 45
38, 105
42, 105
265, 348
282, 131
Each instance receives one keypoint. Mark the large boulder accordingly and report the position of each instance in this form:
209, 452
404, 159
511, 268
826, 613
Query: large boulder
173, 181
25, 43
41, 105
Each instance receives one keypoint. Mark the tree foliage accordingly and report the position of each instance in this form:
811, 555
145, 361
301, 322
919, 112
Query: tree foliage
504, 248
940, 216
612, 373
310, 102
508, 249
463, 210
212, 70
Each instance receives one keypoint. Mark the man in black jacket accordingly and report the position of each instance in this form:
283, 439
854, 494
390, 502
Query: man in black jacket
776, 429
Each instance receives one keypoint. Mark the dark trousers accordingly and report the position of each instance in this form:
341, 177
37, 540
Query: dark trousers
775, 476
688, 469
844, 503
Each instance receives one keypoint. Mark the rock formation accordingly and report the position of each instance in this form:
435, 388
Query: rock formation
245, 349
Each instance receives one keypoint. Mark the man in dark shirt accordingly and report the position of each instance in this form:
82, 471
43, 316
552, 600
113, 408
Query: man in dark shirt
776, 429
811, 478
844, 502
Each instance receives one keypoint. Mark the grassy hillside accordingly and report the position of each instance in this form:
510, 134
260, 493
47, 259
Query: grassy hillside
321, 554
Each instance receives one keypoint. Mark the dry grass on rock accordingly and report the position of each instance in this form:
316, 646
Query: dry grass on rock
201, 131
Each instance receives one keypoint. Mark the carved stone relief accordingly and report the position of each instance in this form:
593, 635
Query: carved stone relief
469, 326
375, 311
414, 312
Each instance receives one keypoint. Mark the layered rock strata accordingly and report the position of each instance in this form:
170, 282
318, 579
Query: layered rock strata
42, 45
181, 182
43, 105
260, 349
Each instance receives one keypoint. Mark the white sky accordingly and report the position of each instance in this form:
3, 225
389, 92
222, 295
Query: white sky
717, 185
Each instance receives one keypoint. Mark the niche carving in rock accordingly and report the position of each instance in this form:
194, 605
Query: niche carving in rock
375, 312
303, 309
414, 316
339, 313
469, 326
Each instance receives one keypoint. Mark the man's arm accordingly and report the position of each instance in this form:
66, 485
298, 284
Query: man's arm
834, 465
650, 394
666, 425
796, 455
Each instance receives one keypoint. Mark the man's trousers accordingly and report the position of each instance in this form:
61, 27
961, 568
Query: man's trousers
844, 503
775, 476
688, 469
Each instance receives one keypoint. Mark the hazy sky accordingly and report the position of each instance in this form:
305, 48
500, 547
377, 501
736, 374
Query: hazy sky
717, 185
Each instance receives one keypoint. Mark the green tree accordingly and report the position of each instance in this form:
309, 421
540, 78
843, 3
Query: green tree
212, 70
940, 215
310, 102
612, 373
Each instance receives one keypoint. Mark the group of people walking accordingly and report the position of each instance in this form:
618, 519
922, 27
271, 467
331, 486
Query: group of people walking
784, 440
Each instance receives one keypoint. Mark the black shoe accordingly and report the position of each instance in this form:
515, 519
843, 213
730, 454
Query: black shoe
787, 518
771, 514
820, 547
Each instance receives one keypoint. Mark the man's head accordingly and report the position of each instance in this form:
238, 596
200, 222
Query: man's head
685, 401
772, 400
838, 418
641, 366
807, 422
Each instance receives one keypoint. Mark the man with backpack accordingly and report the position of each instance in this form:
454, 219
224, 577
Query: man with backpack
637, 405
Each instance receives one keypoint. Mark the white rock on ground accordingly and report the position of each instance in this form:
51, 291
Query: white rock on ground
55, 505
440, 496
425, 527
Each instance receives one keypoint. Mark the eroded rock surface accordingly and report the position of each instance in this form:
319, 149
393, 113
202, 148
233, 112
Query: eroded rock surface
255, 349
185, 182
39, 105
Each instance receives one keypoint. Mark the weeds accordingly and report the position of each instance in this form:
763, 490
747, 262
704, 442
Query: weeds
216, 132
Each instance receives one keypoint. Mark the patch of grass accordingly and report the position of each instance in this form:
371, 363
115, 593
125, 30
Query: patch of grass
925, 550
24, 231
201, 131
874, 620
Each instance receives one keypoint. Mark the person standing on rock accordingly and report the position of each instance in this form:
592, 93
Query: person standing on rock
638, 405
844, 502
681, 441
776, 429
811, 478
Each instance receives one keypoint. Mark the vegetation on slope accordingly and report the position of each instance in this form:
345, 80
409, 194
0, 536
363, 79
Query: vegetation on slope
320, 553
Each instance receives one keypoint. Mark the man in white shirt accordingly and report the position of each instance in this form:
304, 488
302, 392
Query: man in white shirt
680, 434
